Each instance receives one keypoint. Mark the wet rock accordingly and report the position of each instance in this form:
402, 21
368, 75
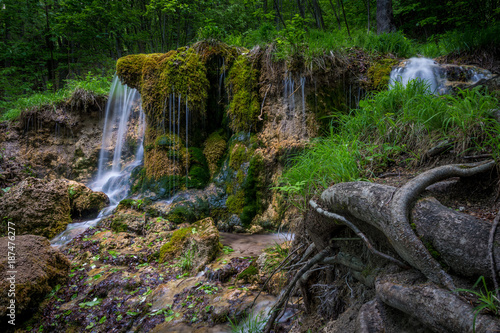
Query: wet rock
256, 229
84, 202
36, 206
42, 207
197, 244
39, 268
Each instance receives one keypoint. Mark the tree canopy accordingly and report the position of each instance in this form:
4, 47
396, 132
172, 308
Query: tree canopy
44, 42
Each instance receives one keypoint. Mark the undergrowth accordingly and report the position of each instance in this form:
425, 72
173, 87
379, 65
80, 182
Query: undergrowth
400, 125
314, 43
99, 85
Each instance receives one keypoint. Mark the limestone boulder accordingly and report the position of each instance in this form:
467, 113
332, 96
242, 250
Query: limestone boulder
45, 207
36, 206
84, 202
197, 244
36, 269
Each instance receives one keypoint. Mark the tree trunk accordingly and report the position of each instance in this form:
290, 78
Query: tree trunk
335, 12
385, 19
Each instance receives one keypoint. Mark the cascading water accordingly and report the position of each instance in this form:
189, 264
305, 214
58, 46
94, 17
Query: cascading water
439, 78
423, 69
113, 179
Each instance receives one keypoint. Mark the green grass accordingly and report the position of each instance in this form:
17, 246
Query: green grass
316, 43
393, 125
90, 83
486, 298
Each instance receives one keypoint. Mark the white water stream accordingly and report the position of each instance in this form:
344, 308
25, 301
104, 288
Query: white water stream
434, 75
112, 179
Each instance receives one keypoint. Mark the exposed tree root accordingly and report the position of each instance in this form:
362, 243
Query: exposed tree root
285, 295
358, 232
370, 319
436, 308
414, 229
389, 212
491, 253
402, 237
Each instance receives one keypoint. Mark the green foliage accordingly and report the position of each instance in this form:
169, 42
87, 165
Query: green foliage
486, 298
252, 324
96, 85
387, 125
185, 262
174, 245
395, 43
244, 106
227, 249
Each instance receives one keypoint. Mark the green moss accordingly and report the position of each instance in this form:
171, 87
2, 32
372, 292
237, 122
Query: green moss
175, 244
215, 147
117, 224
129, 69
126, 203
379, 72
238, 156
252, 187
166, 140
196, 156
198, 177
248, 273
236, 202
181, 214
244, 106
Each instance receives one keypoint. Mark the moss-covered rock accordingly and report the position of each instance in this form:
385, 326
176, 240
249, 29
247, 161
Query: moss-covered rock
215, 146
379, 73
249, 274
36, 206
200, 240
129, 69
244, 108
39, 268
84, 202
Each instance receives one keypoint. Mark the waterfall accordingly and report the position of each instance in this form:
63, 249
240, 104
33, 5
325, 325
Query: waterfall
439, 78
423, 69
113, 180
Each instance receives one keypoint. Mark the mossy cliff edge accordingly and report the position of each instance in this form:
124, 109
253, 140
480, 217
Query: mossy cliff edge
231, 116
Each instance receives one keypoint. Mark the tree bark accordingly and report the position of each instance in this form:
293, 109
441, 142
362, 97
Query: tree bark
459, 239
436, 308
385, 18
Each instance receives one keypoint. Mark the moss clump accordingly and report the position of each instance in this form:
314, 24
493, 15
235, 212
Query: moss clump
244, 108
379, 73
166, 140
198, 177
181, 214
236, 202
175, 244
215, 147
238, 156
129, 69
117, 225
252, 186
249, 273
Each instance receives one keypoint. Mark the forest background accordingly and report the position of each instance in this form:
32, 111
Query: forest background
50, 45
